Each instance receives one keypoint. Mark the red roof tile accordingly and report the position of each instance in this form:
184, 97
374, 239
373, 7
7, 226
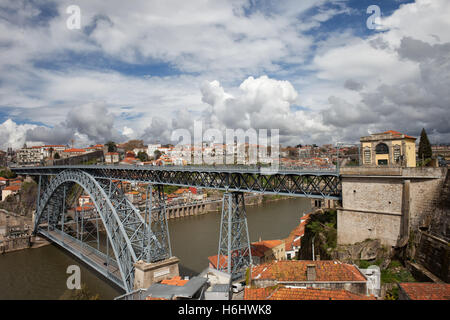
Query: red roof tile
12, 188
396, 133
426, 291
175, 281
295, 270
281, 293
74, 150
214, 262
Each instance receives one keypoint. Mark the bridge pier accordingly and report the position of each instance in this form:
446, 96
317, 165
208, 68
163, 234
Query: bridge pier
158, 219
234, 254
147, 273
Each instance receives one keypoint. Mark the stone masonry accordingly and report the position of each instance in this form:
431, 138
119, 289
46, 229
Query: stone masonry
385, 203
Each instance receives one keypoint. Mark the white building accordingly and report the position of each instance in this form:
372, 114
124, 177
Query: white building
57, 148
30, 156
112, 157
151, 148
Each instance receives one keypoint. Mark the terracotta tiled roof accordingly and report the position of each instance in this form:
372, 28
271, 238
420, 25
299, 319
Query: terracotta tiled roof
175, 281
426, 291
297, 232
12, 188
396, 133
3, 179
295, 270
181, 190
260, 247
74, 150
281, 293
223, 259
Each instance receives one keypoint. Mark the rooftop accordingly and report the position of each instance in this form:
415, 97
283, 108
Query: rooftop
214, 262
281, 293
175, 281
295, 270
12, 188
426, 291
260, 247
390, 134
74, 150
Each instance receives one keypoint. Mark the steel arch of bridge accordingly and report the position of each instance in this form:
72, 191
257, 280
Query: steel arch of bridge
131, 238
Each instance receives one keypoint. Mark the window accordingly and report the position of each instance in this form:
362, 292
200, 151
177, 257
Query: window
381, 148
382, 162
367, 156
396, 153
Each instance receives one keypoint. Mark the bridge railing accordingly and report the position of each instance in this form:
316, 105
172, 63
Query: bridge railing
193, 167
138, 294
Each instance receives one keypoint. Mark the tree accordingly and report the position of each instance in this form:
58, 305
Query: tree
111, 146
157, 154
424, 146
133, 144
143, 156
79, 294
51, 150
57, 155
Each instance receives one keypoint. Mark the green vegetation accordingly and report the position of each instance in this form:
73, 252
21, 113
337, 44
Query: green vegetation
392, 294
396, 273
424, 146
157, 154
322, 228
364, 264
88, 162
170, 189
143, 156
325, 224
23, 203
267, 197
424, 163
7, 174
111, 146
79, 294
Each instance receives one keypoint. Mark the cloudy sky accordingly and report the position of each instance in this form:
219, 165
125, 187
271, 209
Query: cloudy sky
140, 69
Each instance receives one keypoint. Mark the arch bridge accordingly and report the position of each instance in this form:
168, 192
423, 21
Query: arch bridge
131, 235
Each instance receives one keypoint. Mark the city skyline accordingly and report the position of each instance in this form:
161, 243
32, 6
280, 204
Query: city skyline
314, 70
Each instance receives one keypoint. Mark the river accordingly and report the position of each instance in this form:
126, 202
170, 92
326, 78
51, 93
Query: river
41, 273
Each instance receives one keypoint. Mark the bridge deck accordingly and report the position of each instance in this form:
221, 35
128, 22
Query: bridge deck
92, 257
297, 182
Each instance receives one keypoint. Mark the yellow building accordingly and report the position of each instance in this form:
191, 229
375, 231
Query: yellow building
268, 250
388, 148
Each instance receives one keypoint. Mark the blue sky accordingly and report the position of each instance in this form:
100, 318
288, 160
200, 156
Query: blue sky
311, 69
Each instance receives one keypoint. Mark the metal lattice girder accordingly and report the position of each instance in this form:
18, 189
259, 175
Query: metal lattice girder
234, 254
312, 184
158, 220
130, 237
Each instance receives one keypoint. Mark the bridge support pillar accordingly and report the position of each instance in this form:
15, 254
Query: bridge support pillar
234, 255
146, 273
158, 220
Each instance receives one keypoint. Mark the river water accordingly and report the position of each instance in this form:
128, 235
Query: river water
41, 273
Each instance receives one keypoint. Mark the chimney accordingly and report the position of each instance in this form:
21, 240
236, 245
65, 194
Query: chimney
311, 272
